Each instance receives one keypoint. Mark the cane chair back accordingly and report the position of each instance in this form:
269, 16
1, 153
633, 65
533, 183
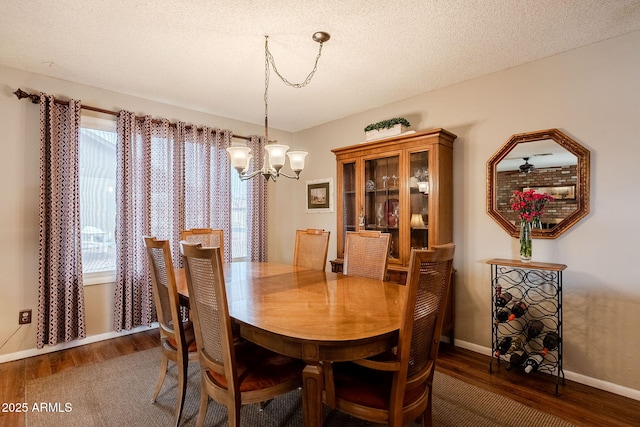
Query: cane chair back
176, 337
396, 387
366, 254
232, 372
311, 248
207, 237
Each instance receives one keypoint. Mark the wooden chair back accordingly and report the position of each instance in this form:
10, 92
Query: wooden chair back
396, 387
176, 336
311, 247
232, 372
207, 237
429, 283
209, 310
366, 254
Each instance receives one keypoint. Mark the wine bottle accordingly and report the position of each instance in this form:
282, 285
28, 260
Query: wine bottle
517, 358
503, 346
534, 328
503, 313
518, 310
550, 342
516, 344
533, 363
503, 299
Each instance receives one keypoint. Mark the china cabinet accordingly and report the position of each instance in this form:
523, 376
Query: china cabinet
402, 186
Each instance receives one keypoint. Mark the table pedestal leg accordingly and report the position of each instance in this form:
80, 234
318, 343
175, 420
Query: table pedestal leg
312, 385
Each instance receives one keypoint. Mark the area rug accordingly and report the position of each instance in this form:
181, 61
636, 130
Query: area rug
118, 393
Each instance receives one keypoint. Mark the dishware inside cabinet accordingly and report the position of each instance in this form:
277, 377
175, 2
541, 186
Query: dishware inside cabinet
382, 199
418, 215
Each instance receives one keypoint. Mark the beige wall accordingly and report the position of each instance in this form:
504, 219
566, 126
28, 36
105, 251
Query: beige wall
592, 94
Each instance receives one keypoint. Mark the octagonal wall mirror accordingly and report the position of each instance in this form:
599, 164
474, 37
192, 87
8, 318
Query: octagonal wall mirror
547, 161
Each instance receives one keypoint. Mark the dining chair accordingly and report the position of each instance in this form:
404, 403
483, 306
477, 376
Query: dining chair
207, 236
366, 254
311, 247
232, 372
177, 339
396, 387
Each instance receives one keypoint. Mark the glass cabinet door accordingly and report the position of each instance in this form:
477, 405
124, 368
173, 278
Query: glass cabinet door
419, 199
381, 209
349, 212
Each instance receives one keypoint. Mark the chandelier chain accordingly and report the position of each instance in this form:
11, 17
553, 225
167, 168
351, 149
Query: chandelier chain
269, 58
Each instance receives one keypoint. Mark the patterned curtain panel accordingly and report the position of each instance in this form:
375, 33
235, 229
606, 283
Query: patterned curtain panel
168, 178
207, 186
133, 300
60, 292
257, 207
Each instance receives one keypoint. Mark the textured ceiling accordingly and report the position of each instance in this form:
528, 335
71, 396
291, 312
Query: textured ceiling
209, 55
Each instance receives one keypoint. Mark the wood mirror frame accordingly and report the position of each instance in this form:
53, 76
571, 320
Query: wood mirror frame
579, 178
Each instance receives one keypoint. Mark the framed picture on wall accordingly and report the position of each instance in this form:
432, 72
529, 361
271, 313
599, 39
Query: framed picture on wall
320, 195
558, 192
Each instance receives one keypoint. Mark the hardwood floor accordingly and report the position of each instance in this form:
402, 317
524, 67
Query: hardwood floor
579, 404
576, 403
14, 375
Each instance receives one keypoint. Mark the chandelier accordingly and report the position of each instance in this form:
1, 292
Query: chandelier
275, 156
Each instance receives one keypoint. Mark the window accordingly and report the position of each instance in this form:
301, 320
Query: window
98, 138
97, 154
239, 247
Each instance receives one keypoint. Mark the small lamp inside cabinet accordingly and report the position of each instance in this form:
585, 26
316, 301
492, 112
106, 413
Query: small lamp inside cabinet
416, 221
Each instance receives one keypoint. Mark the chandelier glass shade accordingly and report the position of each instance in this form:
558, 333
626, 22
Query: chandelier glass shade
276, 154
274, 161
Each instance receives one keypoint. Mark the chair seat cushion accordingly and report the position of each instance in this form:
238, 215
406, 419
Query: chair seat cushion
189, 336
259, 368
367, 387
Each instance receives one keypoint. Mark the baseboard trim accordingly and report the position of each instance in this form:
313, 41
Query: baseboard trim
572, 376
71, 344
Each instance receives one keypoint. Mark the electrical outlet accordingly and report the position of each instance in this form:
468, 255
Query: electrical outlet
24, 317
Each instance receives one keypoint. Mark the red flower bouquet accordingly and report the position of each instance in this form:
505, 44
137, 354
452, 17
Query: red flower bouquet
530, 207
529, 204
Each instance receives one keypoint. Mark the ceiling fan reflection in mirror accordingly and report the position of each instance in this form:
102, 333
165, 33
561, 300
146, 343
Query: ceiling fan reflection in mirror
527, 167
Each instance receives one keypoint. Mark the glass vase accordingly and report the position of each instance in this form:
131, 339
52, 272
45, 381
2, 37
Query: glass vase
525, 241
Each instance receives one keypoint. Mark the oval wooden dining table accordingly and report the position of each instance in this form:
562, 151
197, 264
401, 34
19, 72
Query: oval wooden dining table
316, 316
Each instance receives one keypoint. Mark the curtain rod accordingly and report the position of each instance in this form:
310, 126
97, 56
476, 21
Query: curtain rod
35, 98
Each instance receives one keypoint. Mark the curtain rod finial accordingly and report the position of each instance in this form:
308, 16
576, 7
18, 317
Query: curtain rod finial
22, 94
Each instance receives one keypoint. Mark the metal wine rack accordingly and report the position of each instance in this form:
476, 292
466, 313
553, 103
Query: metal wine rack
539, 286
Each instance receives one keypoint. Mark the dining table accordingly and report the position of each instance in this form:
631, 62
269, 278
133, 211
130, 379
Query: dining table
317, 316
